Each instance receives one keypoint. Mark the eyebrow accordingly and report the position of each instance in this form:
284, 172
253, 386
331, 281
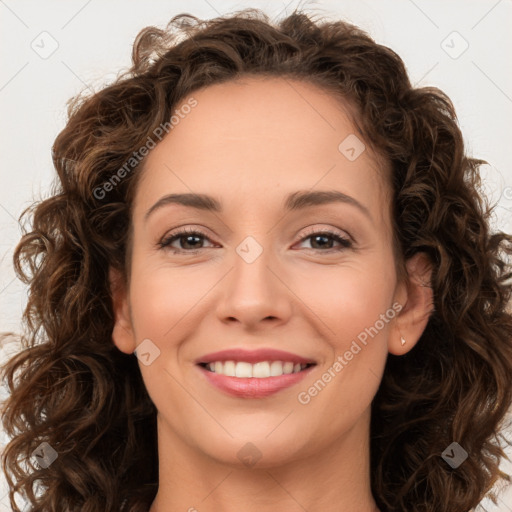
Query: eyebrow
295, 201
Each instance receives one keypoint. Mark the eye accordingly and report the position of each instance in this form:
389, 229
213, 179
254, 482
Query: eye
188, 239
321, 240
191, 240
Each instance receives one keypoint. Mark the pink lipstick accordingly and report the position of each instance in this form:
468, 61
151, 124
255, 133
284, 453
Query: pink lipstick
254, 374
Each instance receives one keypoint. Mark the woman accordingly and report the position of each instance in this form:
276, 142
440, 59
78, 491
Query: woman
291, 241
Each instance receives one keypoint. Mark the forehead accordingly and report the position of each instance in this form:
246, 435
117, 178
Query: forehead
262, 137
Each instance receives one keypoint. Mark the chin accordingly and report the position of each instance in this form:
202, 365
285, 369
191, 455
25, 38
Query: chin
258, 449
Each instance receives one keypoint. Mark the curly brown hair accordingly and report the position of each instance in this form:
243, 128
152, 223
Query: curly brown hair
71, 387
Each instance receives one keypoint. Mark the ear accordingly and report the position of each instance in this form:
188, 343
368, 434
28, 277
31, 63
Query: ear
122, 333
416, 297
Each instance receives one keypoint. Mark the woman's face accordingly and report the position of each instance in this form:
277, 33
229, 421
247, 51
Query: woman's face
262, 274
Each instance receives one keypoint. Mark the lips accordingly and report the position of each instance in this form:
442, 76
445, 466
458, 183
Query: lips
253, 356
252, 387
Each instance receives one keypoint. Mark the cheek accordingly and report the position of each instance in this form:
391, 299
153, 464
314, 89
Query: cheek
348, 299
350, 304
163, 299
354, 304
162, 308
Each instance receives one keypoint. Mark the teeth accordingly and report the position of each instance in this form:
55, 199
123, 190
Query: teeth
287, 367
243, 370
229, 369
276, 368
259, 370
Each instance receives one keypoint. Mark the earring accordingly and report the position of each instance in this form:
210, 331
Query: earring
402, 340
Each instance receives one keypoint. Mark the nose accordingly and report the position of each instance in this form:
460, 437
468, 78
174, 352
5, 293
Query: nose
254, 292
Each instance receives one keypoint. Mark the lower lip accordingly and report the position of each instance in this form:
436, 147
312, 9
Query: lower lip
253, 387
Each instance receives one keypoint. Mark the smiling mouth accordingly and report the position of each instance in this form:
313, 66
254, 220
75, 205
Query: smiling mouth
260, 370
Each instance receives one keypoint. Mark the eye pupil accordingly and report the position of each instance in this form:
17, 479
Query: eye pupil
188, 237
191, 242
324, 237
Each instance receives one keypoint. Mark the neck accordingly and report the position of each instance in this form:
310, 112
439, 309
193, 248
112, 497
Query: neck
334, 479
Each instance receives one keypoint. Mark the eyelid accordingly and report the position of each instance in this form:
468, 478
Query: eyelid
312, 230
179, 232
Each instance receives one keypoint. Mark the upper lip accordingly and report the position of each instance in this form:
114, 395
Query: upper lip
253, 356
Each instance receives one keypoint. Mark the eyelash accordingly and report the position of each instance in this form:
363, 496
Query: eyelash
166, 242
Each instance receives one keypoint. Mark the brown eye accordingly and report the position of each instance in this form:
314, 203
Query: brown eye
189, 241
324, 240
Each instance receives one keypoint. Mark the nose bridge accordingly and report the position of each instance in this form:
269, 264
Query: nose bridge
253, 292
251, 277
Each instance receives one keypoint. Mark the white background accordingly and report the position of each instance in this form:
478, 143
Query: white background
94, 41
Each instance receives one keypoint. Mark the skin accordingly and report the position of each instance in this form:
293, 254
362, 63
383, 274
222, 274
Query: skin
249, 144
